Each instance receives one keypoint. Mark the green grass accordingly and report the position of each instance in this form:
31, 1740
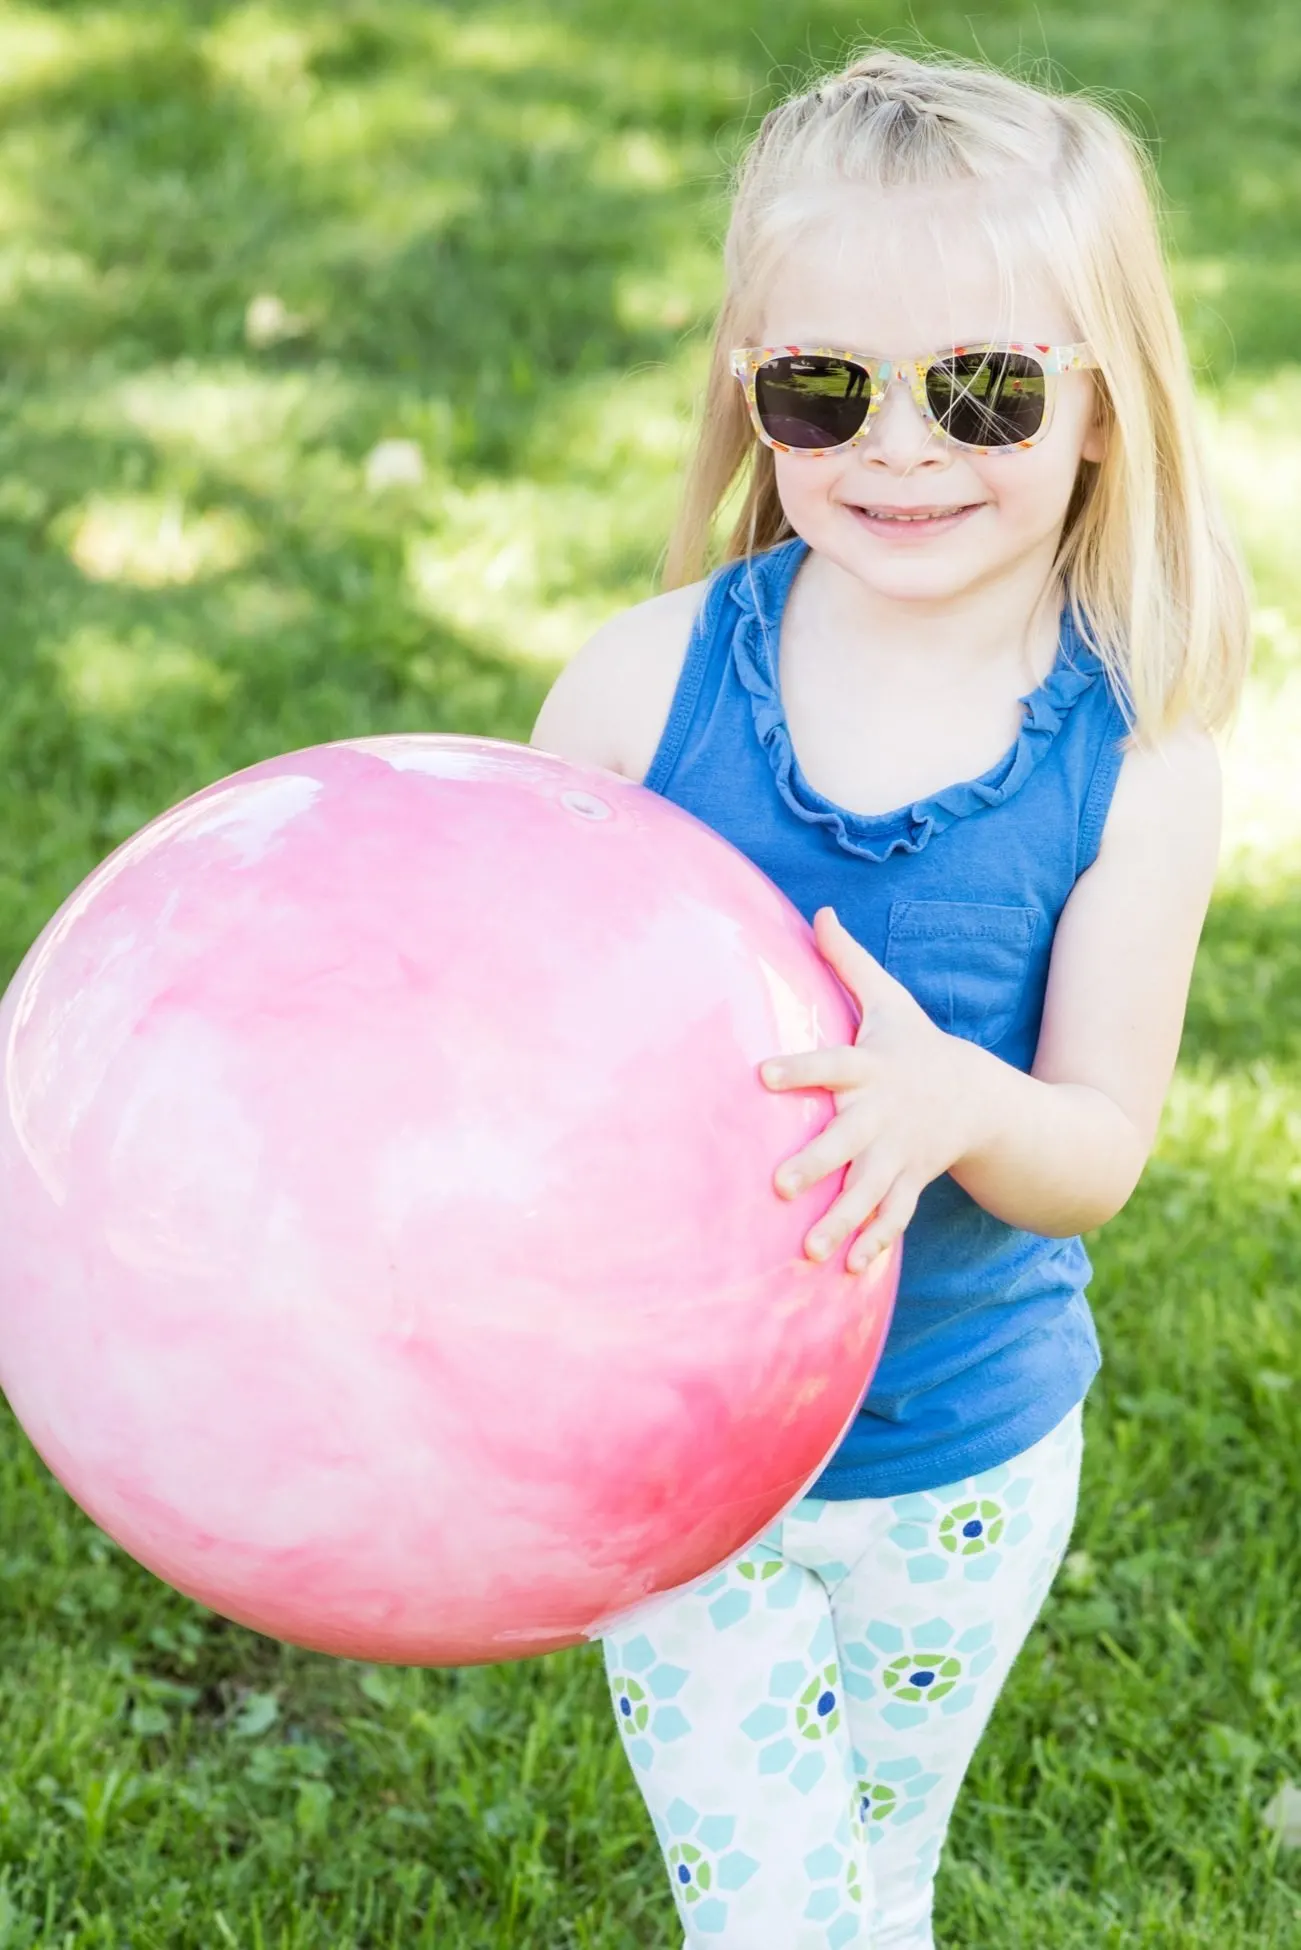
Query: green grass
491, 230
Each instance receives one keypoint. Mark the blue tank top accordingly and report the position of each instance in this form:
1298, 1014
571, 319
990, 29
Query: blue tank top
958, 896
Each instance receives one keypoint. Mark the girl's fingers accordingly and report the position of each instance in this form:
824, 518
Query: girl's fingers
845, 1138
865, 1189
861, 973
841, 1068
888, 1221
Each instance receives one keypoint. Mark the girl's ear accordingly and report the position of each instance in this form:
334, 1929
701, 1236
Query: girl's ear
1095, 435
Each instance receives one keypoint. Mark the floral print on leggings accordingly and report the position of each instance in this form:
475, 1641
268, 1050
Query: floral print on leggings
800, 1722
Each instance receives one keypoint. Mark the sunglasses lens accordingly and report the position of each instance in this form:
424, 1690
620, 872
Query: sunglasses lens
988, 399
810, 400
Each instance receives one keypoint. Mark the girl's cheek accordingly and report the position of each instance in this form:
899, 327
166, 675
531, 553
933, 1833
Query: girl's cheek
805, 483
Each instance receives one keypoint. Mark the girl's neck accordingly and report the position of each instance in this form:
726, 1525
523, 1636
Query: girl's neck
887, 702
1005, 629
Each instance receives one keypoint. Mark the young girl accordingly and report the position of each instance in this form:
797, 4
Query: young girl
952, 690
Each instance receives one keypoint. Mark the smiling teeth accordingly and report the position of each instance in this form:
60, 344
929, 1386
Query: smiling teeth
892, 514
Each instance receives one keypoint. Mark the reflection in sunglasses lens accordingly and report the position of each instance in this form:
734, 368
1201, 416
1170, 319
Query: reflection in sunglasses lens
988, 399
811, 401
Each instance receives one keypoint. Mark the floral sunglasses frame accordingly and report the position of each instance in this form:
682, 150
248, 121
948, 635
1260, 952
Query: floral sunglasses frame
746, 360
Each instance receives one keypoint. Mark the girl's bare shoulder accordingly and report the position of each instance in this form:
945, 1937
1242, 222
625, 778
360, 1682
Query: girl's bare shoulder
611, 702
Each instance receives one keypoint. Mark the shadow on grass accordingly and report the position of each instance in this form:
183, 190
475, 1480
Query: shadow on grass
451, 206
442, 227
475, 217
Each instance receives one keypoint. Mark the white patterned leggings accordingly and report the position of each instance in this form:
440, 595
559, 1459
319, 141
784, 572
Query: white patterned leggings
799, 1724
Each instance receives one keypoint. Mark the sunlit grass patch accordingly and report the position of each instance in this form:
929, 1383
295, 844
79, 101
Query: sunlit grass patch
635, 156
111, 676
27, 269
1255, 440
672, 291
1262, 837
224, 414
532, 566
264, 49
152, 540
1254, 433
623, 433
1244, 1123
524, 568
505, 41
35, 45
395, 311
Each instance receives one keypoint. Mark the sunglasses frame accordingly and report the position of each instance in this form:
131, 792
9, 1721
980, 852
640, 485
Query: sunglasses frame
746, 360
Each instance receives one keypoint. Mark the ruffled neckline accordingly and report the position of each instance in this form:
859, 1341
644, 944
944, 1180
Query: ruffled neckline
760, 589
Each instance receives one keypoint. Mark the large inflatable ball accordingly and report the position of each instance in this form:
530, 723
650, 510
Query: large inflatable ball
389, 1255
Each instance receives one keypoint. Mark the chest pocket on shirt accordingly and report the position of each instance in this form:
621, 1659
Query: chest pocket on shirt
964, 961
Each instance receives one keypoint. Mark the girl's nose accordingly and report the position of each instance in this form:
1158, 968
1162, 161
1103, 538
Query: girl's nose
901, 438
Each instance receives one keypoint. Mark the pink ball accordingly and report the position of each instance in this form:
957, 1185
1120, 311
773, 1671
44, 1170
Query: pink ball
390, 1254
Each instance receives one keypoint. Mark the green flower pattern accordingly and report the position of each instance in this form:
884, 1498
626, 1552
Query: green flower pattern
833, 1710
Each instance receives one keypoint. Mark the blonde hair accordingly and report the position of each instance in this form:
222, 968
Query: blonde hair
1146, 558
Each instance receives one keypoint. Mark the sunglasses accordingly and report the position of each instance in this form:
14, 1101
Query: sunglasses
986, 398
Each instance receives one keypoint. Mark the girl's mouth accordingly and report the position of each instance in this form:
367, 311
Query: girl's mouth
912, 524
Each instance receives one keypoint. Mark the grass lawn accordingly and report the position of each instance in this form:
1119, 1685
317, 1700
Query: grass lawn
240, 246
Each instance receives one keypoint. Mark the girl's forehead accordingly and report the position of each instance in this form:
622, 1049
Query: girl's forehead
900, 271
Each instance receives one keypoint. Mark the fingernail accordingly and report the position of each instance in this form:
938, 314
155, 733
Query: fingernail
772, 1073
789, 1181
819, 1246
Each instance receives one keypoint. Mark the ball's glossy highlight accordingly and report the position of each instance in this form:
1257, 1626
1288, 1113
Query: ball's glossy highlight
388, 1250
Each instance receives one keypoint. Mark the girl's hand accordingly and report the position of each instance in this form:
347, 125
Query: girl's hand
903, 1109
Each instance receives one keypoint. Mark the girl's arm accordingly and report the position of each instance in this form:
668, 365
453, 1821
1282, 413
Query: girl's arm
1060, 1150
611, 701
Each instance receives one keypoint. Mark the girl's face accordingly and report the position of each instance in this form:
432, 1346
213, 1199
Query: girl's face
897, 274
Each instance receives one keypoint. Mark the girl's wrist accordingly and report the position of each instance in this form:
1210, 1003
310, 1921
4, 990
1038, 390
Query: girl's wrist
976, 1101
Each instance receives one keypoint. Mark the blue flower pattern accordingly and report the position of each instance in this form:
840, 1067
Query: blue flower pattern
704, 1868
967, 1537
836, 1889
911, 1687
891, 1791
643, 1687
762, 1580
930, 1669
802, 1711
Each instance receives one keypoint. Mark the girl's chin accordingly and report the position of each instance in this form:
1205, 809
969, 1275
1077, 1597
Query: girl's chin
936, 574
